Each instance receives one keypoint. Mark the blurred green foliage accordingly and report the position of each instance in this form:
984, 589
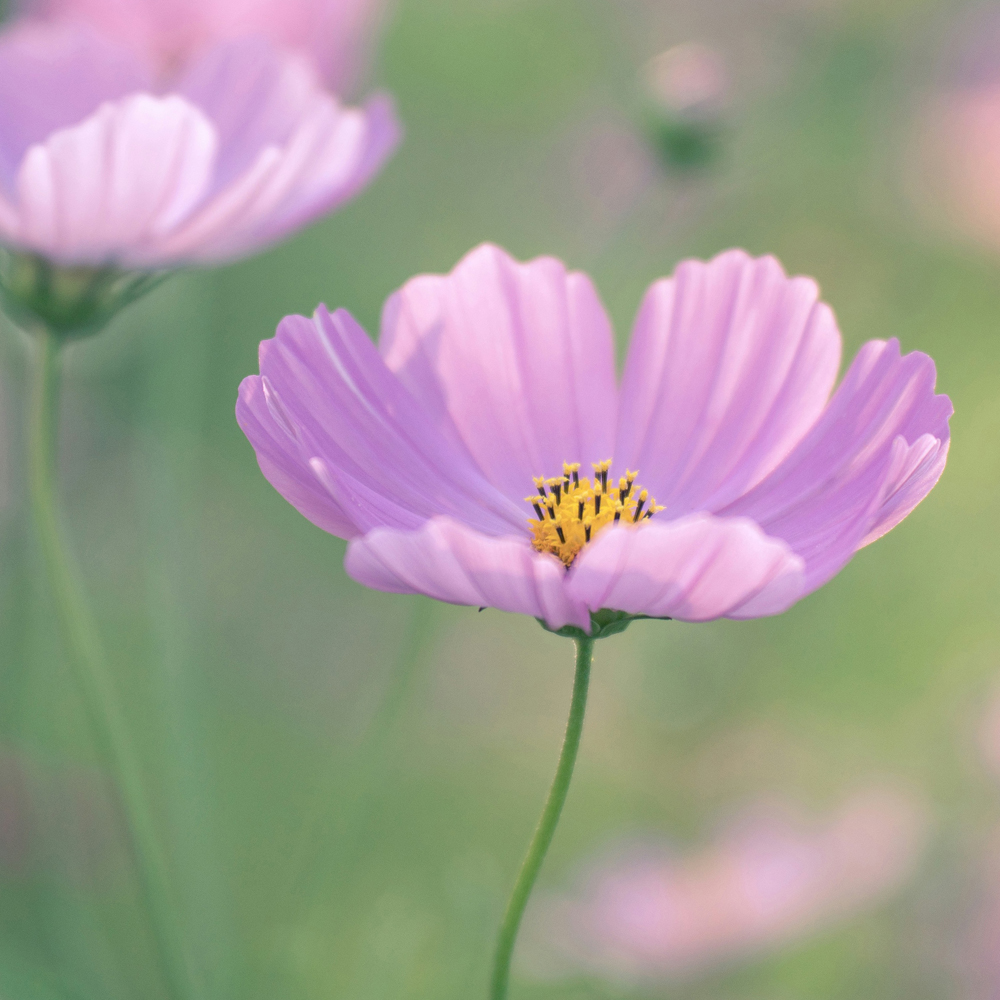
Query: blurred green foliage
346, 780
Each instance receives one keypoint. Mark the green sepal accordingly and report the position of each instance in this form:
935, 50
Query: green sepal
69, 301
603, 624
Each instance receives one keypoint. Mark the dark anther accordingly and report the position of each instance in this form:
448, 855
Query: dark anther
597, 504
552, 512
559, 532
586, 531
638, 510
579, 513
576, 478
538, 511
557, 489
618, 516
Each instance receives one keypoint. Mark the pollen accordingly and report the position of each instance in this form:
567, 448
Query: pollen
571, 510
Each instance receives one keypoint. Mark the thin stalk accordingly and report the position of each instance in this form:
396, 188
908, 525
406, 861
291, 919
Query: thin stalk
546, 828
86, 657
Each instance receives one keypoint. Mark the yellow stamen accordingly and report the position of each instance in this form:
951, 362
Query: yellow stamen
576, 510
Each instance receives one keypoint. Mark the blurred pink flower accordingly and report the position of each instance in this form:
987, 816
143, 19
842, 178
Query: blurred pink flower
501, 372
963, 154
99, 168
688, 80
334, 34
646, 913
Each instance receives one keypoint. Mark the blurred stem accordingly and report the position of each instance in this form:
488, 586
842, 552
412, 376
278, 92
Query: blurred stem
86, 657
546, 828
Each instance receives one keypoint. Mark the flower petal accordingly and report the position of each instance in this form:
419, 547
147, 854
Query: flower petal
52, 78
694, 569
341, 418
279, 456
731, 363
107, 189
331, 156
290, 152
451, 562
514, 359
874, 454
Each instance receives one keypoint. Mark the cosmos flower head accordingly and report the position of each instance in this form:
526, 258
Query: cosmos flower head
497, 383
104, 171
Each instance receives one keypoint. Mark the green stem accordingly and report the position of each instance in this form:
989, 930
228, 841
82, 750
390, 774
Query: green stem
546, 825
86, 656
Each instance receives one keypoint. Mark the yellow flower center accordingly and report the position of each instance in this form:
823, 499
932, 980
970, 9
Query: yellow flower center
570, 511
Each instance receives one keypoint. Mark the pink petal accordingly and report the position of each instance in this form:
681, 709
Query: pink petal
694, 569
334, 33
254, 93
280, 460
53, 78
107, 189
731, 363
875, 452
331, 156
290, 152
340, 418
514, 359
451, 562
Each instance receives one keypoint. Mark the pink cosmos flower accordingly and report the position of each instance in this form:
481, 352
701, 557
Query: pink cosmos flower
646, 913
98, 167
332, 33
498, 380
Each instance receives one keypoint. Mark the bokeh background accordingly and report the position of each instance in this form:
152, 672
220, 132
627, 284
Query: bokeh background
347, 780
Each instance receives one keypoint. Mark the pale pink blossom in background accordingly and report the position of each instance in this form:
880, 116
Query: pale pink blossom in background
952, 169
963, 147
334, 34
422, 453
646, 912
100, 166
688, 80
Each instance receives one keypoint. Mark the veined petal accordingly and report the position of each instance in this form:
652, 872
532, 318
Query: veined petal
451, 562
731, 363
875, 452
342, 419
694, 569
110, 187
279, 456
515, 360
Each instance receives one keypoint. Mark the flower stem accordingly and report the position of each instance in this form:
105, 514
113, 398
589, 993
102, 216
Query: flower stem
86, 657
546, 825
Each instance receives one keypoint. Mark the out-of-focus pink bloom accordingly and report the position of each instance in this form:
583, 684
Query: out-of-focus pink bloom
501, 372
334, 34
688, 81
963, 149
100, 168
646, 913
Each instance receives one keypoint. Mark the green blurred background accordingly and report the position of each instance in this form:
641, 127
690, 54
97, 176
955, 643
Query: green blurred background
347, 779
